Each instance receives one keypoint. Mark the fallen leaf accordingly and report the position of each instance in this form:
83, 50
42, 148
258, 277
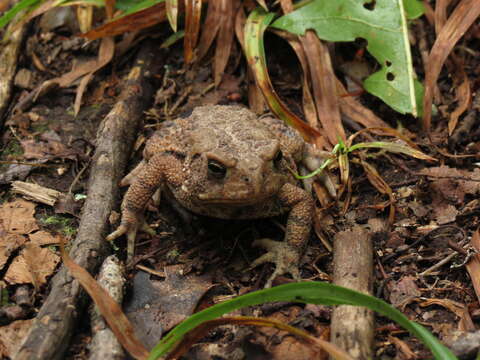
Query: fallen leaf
17, 217
443, 212
108, 307
131, 22
8, 244
193, 12
459, 309
32, 266
11, 337
169, 302
453, 183
42, 237
403, 291
462, 17
48, 146
473, 266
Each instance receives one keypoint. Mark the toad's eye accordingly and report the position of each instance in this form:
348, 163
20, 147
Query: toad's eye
216, 169
278, 158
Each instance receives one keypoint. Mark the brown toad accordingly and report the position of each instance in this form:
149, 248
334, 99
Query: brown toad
225, 162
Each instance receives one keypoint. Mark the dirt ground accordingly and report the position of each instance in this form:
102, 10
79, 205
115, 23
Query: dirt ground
421, 260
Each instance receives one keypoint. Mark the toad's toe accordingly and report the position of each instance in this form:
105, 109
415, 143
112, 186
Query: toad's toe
283, 255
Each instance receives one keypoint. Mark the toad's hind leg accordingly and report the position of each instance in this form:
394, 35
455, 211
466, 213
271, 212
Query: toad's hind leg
161, 168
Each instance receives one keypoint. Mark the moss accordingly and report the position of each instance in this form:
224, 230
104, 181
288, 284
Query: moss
13, 149
62, 224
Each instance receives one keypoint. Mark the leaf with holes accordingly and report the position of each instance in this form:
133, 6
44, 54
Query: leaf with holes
383, 23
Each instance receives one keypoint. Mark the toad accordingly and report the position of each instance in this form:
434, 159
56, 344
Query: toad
225, 162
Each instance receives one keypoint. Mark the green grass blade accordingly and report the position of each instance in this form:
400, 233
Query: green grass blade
304, 292
22, 5
392, 147
257, 22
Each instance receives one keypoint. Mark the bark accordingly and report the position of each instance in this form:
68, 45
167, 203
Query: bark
51, 332
9, 51
352, 326
104, 345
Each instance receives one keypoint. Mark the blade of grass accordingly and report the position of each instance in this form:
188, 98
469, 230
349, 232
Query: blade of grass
172, 39
224, 38
392, 147
209, 28
324, 86
256, 24
172, 13
304, 292
22, 5
384, 131
193, 13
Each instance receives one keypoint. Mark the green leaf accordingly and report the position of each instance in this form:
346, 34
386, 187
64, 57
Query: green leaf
255, 26
413, 8
304, 292
22, 5
131, 6
383, 24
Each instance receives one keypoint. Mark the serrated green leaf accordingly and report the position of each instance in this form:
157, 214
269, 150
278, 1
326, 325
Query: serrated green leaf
385, 29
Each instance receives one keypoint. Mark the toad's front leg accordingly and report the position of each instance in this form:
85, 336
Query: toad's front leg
158, 170
286, 255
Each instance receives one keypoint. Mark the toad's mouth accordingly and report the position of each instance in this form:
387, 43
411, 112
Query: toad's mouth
233, 201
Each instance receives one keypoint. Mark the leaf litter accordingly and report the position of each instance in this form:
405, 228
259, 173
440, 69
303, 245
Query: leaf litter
22, 240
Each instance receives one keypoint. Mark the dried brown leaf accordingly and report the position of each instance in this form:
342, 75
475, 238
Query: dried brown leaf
84, 17
459, 309
193, 12
105, 55
42, 237
109, 309
381, 185
255, 98
352, 109
403, 347
309, 108
9, 243
32, 266
440, 14
225, 38
11, 337
43, 8
133, 22
466, 12
473, 266
254, 49
210, 27
172, 13
463, 95
17, 217
324, 86
110, 8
